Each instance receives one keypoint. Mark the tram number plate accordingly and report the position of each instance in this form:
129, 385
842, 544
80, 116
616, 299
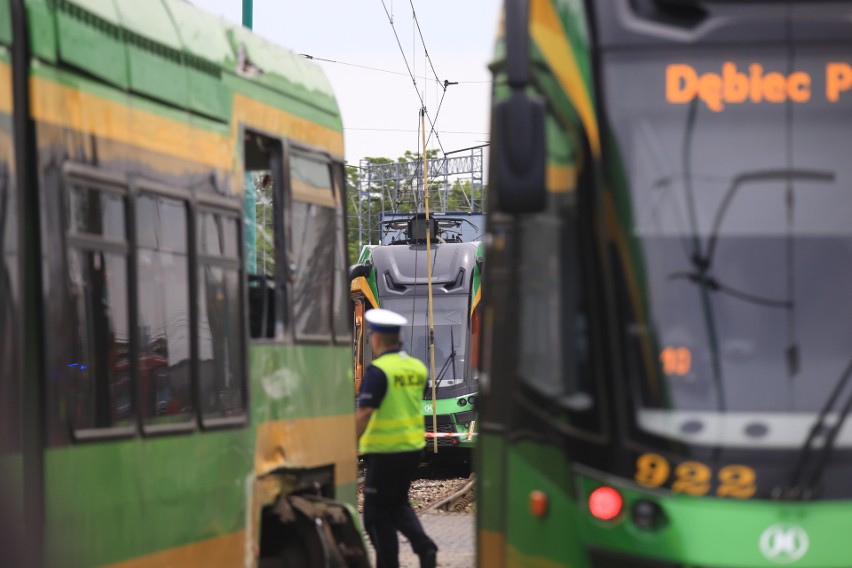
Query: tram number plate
695, 478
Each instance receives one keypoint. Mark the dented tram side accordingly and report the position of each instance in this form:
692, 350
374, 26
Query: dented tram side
175, 338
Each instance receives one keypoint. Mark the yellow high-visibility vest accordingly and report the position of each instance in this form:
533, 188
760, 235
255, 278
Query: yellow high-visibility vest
397, 424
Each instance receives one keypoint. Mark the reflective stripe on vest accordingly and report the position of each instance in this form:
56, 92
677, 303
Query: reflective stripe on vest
397, 424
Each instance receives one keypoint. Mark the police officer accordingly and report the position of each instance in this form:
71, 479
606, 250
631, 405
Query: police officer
391, 436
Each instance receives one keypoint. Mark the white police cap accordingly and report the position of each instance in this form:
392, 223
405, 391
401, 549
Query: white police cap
384, 321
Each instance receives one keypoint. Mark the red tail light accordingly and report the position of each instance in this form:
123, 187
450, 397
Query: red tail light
605, 503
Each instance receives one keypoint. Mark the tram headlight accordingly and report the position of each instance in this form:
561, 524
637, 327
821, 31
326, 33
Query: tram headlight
462, 402
647, 515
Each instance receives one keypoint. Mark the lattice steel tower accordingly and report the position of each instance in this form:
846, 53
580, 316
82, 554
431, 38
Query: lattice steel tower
455, 185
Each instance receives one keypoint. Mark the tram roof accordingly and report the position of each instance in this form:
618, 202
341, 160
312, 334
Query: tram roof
179, 54
401, 266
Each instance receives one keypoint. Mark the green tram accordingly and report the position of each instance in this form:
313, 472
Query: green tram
395, 277
174, 387
666, 373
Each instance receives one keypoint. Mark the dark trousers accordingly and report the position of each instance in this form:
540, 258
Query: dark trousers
386, 506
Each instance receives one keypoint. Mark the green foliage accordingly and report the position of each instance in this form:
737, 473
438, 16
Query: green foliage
264, 222
353, 180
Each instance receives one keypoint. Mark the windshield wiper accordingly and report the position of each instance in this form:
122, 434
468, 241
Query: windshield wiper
753, 177
704, 279
800, 488
703, 261
450, 361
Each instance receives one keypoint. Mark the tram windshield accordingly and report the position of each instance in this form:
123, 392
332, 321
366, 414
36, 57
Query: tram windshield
450, 321
734, 252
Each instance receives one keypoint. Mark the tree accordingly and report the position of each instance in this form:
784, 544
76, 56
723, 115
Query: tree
355, 205
264, 222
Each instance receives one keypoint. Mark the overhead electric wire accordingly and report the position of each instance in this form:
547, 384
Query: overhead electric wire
402, 51
445, 84
438, 112
409, 130
423, 41
408, 67
432, 126
314, 58
378, 69
419, 138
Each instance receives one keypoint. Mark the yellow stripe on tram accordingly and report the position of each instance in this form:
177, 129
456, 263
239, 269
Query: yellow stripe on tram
491, 549
360, 284
306, 443
226, 550
73, 108
276, 121
561, 179
69, 107
5, 88
549, 35
476, 299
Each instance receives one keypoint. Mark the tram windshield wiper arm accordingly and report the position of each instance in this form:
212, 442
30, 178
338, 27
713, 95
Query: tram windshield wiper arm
450, 361
703, 262
800, 487
705, 279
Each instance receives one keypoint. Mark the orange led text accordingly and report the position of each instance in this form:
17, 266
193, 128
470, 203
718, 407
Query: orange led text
676, 361
734, 86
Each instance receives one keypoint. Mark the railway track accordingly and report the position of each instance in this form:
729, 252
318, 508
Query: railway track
449, 489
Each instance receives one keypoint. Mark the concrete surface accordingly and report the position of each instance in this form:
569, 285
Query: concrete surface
454, 535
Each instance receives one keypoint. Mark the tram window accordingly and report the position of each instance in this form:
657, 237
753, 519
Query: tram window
164, 362
99, 371
10, 336
555, 348
220, 347
541, 350
341, 304
312, 246
218, 236
263, 219
314, 262
96, 213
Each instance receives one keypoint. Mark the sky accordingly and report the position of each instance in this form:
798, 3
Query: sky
381, 108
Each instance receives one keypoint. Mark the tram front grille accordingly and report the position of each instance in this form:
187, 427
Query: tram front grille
444, 427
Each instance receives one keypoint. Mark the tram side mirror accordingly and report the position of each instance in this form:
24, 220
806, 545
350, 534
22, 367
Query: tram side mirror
518, 157
357, 270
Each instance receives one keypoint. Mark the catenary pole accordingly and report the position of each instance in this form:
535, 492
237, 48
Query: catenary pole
429, 284
247, 13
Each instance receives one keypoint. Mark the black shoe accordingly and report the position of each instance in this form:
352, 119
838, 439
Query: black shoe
429, 559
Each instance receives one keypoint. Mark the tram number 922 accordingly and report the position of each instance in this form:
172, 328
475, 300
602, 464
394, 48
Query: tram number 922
695, 478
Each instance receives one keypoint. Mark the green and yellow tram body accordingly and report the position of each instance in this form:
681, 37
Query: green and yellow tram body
174, 324
665, 375
394, 276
